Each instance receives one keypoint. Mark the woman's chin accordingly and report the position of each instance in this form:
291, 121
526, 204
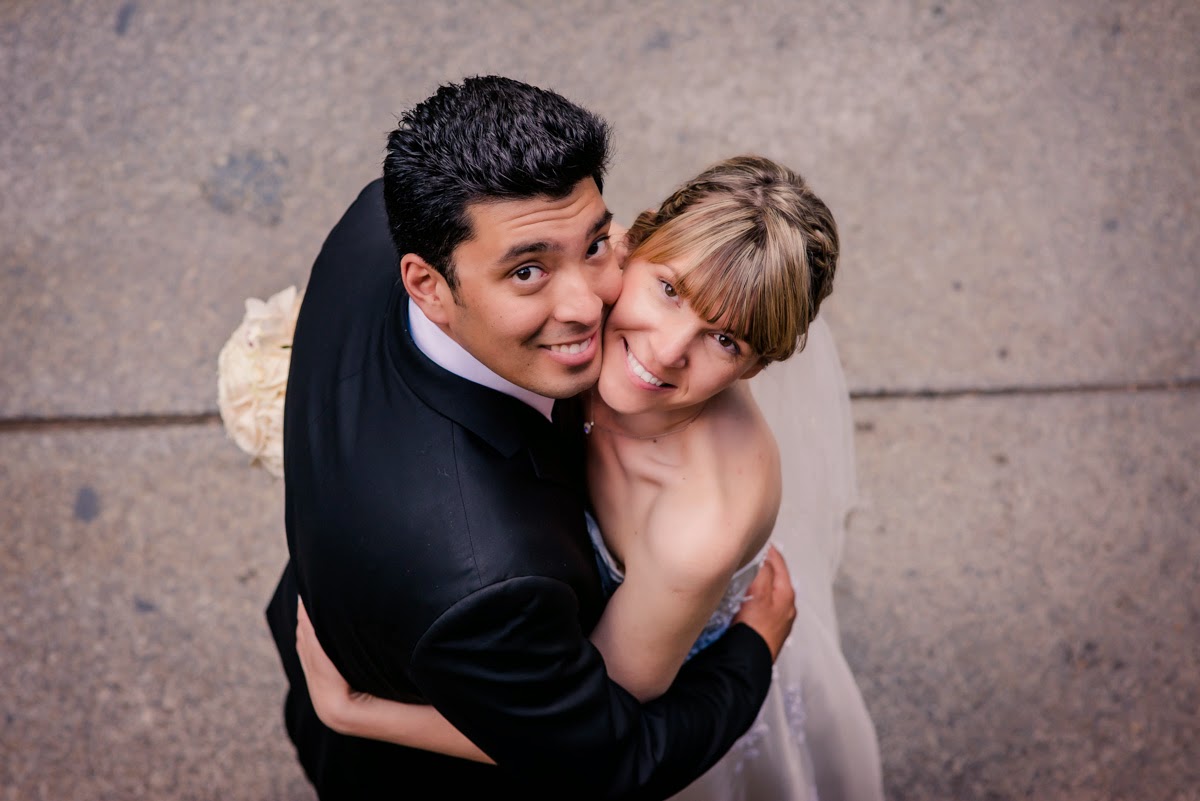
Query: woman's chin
611, 394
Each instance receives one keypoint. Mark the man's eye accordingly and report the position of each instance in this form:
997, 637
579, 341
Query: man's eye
527, 273
598, 247
667, 289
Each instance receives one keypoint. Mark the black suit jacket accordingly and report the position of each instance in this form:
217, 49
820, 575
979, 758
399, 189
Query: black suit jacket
437, 537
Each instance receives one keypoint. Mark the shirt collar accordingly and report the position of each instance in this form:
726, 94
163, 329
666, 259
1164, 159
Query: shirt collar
443, 351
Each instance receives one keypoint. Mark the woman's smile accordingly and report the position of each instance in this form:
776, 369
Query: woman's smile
638, 370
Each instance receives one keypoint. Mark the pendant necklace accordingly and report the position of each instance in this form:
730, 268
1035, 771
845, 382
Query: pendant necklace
591, 425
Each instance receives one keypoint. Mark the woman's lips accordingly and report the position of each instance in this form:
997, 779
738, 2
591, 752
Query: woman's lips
646, 378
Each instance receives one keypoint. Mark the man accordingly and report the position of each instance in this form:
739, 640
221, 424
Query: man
435, 498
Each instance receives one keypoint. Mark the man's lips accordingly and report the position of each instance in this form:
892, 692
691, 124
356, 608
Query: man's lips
573, 347
575, 353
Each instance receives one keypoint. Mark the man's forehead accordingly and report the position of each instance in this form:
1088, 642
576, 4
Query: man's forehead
513, 227
518, 213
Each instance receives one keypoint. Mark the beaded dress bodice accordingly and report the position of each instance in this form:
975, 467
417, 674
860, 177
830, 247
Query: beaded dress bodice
611, 577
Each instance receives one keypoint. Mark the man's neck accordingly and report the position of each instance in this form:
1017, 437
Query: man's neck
445, 352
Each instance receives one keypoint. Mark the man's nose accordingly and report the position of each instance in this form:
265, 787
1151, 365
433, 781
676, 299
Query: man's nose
606, 282
576, 300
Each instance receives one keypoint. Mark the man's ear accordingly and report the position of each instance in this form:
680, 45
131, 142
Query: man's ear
427, 287
754, 369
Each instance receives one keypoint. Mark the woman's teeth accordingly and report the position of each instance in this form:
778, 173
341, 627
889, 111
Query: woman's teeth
578, 347
642, 372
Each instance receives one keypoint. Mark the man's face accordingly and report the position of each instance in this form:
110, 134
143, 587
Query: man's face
534, 282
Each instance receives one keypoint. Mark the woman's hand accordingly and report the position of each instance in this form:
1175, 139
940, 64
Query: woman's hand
332, 697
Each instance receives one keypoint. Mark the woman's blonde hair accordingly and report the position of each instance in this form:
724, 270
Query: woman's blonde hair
760, 250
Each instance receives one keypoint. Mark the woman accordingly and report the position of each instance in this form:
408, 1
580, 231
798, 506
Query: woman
686, 481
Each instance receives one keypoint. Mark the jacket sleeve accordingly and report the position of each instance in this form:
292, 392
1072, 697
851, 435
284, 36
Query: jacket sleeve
511, 668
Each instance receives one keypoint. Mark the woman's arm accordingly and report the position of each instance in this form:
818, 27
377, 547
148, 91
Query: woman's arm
675, 576
361, 715
707, 519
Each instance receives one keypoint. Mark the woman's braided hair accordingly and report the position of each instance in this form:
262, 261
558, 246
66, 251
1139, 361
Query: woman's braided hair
756, 250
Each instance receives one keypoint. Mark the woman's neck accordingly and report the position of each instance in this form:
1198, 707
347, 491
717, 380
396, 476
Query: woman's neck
647, 426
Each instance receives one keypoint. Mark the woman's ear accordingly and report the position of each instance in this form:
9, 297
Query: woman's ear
755, 368
427, 287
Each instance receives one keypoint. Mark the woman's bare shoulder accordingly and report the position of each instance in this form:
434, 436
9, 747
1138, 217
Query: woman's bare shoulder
741, 449
720, 515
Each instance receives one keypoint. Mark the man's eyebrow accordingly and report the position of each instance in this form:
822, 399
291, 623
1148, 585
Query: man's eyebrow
601, 221
526, 248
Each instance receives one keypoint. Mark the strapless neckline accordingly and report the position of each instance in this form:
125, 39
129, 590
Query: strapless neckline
612, 575
617, 572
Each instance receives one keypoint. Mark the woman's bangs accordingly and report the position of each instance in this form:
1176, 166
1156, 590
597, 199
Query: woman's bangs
723, 290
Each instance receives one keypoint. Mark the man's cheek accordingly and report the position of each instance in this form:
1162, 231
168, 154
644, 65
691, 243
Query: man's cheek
612, 288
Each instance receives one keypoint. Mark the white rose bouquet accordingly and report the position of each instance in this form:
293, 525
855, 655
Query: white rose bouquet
252, 372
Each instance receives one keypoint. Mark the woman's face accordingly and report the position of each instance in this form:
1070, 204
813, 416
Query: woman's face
659, 355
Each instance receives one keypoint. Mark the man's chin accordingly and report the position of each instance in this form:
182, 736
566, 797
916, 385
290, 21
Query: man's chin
570, 386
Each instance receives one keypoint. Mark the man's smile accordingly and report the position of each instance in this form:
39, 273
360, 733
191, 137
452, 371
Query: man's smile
573, 347
576, 353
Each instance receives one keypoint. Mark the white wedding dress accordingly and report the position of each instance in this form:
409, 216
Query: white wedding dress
813, 738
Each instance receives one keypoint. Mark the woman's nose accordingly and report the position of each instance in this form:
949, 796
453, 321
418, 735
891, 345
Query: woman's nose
673, 347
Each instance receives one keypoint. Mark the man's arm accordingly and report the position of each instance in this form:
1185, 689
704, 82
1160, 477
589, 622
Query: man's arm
511, 669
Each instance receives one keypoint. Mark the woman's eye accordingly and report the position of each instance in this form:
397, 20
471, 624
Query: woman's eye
598, 247
527, 273
728, 343
667, 289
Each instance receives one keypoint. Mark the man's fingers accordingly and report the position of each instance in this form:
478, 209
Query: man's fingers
767, 570
764, 581
779, 572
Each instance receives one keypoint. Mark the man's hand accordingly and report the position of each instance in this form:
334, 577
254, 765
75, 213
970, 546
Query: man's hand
770, 605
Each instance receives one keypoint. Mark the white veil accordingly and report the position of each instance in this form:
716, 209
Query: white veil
808, 406
806, 401
813, 738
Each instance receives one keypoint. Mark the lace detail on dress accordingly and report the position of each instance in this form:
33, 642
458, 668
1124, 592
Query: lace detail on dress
611, 576
730, 603
793, 707
747, 747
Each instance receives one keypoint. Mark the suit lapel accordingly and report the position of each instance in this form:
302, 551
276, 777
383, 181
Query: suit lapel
502, 421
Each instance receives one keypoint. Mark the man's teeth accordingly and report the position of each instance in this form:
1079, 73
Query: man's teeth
578, 347
642, 372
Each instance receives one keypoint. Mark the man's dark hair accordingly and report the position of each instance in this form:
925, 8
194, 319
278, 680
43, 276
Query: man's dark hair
490, 138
